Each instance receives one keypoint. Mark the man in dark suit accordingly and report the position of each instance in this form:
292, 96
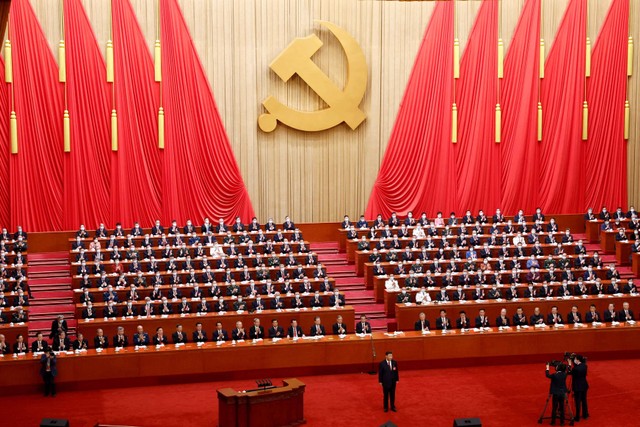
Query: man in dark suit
100, 340
388, 377
256, 332
625, 314
275, 331
295, 331
179, 337
317, 329
40, 344
199, 335
58, 325
339, 328
219, 334
48, 370
580, 386
558, 391
422, 324
363, 327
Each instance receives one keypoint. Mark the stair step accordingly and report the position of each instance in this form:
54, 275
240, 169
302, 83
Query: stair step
351, 281
50, 281
324, 245
48, 268
341, 269
43, 295
69, 307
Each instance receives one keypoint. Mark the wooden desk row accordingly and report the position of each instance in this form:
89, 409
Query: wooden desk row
407, 315
327, 355
219, 275
635, 264
97, 293
608, 242
158, 250
390, 268
379, 285
304, 317
593, 229
147, 230
99, 306
391, 297
361, 257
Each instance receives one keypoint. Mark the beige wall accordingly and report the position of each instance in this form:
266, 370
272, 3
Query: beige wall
320, 176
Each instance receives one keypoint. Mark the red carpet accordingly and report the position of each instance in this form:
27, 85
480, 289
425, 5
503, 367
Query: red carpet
501, 396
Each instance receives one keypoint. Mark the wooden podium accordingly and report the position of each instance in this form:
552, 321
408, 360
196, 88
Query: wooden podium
279, 406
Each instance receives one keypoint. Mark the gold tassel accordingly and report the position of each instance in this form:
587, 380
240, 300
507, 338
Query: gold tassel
585, 121
109, 57
456, 58
539, 121
629, 56
542, 58
500, 59
454, 123
157, 61
13, 124
161, 128
8, 63
114, 130
62, 63
498, 124
626, 119
587, 61
67, 132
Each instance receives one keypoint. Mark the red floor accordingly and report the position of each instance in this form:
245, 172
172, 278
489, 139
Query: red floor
500, 396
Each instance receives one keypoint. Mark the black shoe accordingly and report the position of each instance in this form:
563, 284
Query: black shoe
386, 410
576, 419
394, 409
585, 417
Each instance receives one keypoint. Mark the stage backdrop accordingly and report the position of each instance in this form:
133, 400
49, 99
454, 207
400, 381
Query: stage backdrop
311, 176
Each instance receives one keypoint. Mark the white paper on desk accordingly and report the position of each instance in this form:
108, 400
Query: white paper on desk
219, 343
596, 324
524, 327
222, 313
315, 308
275, 339
559, 325
408, 304
426, 332
631, 322
615, 323
333, 308
68, 353
343, 336
180, 344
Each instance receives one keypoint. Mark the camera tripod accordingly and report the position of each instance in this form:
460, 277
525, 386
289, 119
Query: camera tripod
567, 406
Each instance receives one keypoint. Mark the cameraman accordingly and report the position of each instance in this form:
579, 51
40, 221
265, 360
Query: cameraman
580, 385
558, 389
48, 370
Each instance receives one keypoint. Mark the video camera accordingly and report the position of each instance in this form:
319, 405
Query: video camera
566, 358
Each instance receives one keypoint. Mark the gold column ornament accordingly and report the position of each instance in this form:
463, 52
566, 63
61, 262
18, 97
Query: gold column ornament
114, 130
8, 62
67, 132
454, 123
541, 73
161, 128
498, 124
13, 125
157, 61
62, 62
629, 56
627, 115
585, 121
109, 59
500, 58
456, 58
539, 121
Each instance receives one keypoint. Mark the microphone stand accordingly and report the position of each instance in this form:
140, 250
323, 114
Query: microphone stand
373, 357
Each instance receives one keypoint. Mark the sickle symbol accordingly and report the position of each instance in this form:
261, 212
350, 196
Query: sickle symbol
343, 104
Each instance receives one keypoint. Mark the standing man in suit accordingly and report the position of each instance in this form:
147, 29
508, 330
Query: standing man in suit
388, 377
558, 391
48, 370
580, 386
58, 325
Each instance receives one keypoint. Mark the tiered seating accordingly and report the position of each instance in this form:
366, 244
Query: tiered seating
14, 287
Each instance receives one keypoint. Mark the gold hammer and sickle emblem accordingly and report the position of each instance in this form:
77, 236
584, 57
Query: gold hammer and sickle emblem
343, 104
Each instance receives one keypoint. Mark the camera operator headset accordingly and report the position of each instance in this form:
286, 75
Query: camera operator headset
558, 390
580, 385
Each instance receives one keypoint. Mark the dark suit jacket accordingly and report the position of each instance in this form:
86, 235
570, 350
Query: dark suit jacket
558, 385
255, 333
55, 330
359, 328
298, 329
336, 329
418, 325
276, 332
579, 374
52, 365
176, 340
622, 316
313, 330
219, 335
388, 376
96, 342
123, 344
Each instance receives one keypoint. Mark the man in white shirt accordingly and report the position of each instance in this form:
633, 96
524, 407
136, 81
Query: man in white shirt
423, 297
391, 284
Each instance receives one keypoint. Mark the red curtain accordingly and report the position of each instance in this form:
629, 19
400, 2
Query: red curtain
36, 171
478, 176
202, 177
562, 177
606, 149
137, 175
417, 171
87, 186
519, 98
5, 110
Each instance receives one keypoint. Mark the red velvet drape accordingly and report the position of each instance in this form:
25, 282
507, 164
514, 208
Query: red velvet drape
417, 172
562, 179
202, 177
606, 149
478, 175
5, 186
87, 186
36, 171
519, 97
138, 164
